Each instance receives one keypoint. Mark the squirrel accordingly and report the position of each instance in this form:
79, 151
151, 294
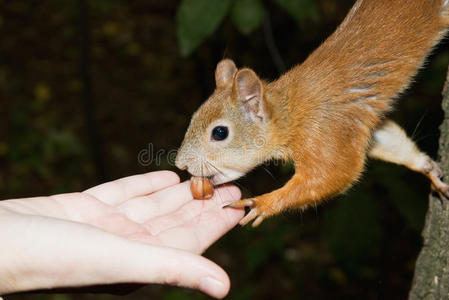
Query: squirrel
326, 114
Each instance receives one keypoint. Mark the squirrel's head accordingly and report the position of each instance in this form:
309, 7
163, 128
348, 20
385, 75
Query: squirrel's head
227, 136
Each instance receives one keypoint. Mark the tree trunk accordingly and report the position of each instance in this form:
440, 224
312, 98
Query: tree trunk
431, 280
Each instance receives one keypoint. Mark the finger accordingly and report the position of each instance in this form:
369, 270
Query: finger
141, 209
192, 209
55, 253
198, 224
120, 190
175, 267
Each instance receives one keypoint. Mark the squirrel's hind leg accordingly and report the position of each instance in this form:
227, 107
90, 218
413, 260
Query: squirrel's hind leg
391, 143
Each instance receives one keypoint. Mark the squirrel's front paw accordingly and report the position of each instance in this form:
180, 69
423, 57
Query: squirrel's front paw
259, 211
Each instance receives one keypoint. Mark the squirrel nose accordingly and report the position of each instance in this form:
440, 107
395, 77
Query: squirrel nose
181, 167
180, 164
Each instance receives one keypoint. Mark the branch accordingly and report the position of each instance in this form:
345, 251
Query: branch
431, 279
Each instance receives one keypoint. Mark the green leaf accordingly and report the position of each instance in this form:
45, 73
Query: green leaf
247, 15
197, 20
300, 9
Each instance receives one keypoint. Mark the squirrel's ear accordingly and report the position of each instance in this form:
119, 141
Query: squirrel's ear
248, 90
224, 72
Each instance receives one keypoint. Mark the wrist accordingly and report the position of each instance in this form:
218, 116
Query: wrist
18, 263
8, 268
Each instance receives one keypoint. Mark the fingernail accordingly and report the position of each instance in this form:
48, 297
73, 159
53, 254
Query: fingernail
211, 286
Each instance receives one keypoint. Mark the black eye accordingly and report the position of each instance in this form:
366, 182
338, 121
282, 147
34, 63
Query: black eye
219, 133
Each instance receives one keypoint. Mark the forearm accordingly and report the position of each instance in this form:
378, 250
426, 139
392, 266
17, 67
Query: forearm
15, 271
38, 252
18, 226
42, 253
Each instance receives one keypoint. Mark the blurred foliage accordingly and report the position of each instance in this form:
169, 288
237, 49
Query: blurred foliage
300, 10
198, 19
360, 245
247, 15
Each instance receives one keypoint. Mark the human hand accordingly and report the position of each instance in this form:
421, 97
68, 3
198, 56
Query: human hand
139, 229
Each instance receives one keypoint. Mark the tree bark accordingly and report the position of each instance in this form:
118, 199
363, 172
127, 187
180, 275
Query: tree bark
431, 279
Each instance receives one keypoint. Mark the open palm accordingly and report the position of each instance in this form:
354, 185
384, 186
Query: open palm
144, 228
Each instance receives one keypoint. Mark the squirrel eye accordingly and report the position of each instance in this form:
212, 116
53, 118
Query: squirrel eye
220, 133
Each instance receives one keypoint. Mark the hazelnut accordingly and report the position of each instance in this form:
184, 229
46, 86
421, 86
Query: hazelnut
201, 188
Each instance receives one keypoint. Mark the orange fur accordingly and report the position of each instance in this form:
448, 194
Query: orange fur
321, 113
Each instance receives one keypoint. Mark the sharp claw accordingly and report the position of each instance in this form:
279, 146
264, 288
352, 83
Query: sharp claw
441, 188
250, 216
253, 213
258, 220
434, 173
240, 204
444, 193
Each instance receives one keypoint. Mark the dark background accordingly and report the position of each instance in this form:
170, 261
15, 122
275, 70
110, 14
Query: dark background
85, 88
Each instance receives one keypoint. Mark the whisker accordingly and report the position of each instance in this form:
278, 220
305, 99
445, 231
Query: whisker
201, 167
220, 197
419, 123
215, 168
202, 202
269, 173
209, 164
244, 189
220, 172
425, 137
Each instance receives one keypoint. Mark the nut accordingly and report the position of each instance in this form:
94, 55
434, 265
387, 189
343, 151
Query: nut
201, 188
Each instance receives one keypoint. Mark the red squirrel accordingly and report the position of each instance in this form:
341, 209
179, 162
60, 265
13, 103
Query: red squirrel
326, 114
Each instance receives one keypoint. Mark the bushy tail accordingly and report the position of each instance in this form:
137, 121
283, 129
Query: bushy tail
374, 53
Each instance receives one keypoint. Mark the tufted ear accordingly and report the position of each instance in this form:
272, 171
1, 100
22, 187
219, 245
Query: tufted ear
248, 89
224, 72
